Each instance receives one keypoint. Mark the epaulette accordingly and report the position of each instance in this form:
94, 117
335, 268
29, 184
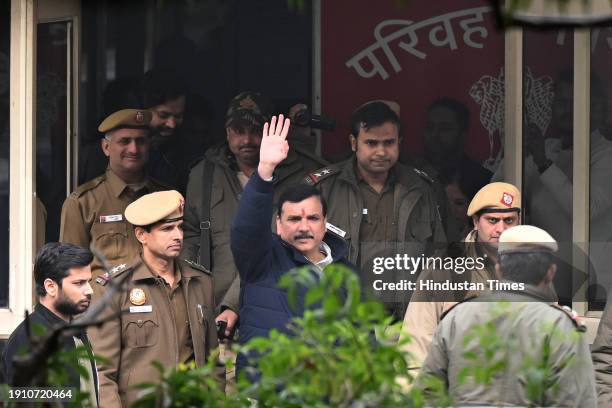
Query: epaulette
569, 312
467, 299
424, 175
319, 175
196, 265
310, 155
89, 185
106, 276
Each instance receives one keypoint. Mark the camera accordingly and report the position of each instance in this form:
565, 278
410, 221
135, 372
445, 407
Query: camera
306, 118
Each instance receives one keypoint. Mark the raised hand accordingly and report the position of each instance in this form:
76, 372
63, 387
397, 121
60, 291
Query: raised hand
274, 147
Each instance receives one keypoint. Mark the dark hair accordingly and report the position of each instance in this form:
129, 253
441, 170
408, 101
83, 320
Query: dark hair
300, 192
461, 111
158, 87
54, 261
371, 115
528, 268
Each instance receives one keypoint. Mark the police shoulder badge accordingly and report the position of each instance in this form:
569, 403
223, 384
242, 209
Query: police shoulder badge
138, 297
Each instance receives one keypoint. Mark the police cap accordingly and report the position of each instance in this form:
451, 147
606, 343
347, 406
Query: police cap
526, 238
126, 118
161, 206
495, 197
250, 108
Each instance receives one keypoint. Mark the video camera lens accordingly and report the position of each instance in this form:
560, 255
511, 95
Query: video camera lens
306, 118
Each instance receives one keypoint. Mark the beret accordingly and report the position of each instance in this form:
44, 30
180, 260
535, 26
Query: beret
496, 197
526, 238
126, 118
155, 207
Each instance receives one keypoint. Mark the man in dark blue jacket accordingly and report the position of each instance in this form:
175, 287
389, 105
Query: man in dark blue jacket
262, 257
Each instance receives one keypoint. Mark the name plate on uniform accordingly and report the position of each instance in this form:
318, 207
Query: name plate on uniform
141, 309
336, 230
111, 218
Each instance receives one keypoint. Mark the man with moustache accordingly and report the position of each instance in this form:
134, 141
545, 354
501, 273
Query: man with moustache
214, 189
376, 202
62, 274
173, 150
93, 213
262, 257
165, 316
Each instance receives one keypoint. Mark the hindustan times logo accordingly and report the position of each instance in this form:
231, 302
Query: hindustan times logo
414, 264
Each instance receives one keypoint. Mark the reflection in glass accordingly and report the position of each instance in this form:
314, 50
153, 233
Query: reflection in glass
600, 192
51, 117
547, 147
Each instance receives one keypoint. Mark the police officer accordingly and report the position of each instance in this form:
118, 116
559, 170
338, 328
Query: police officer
167, 313
495, 208
534, 336
93, 213
374, 201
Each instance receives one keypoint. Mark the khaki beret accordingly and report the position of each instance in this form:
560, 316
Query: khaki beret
496, 197
155, 207
126, 118
526, 238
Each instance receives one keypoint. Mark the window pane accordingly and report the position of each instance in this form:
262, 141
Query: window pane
547, 143
600, 195
5, 40
51, 117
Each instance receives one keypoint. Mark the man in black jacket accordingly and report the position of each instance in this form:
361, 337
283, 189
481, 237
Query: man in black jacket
62, 273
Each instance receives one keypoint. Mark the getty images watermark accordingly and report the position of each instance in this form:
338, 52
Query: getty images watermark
402, 264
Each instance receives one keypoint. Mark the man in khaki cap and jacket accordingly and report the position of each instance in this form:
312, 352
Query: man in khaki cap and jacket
495, 208
166, 314
93, 213
532, 336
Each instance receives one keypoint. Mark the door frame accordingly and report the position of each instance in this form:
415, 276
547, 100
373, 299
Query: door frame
25, 15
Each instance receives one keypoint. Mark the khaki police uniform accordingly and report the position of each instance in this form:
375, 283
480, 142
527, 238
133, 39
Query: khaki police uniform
531, 327
403, 218
602, 356
426, 308
93, 213
152, 321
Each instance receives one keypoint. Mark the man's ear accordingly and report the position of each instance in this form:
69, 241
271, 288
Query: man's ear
105, 145
278, 222
549, 276
141, 234
498, 272
51, 287
353, 141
